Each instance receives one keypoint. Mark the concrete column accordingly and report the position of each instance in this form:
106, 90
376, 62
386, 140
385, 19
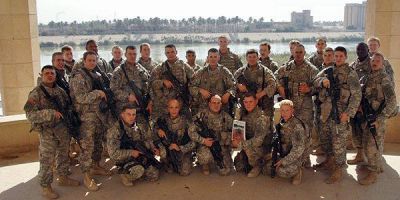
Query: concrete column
19, 53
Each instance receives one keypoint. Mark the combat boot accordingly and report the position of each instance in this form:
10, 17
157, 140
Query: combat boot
97, 170
49, 193
89, 182
369, 179
254, 172
336, 176
297, 178
125, 180
357, 159
327, 164
66, 181
205, 169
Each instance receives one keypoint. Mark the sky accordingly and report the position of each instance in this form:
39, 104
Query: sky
277, 10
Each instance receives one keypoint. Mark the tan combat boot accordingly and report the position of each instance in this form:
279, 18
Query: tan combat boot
205, 169
66, 181
369, 179
297, 178
336, 176
357, 159
327, 164
254, 172
97, 170
49, 193
125, 180
89, 182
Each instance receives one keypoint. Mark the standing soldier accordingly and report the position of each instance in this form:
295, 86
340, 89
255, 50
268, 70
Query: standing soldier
373, 45
94, 122
128, 159
292, 46
174, 128
212, 79
250, 158
68, 56
117, 59
295, 82
101, 63
317, 57
46, 118
171, 80
339, 102
145, 59
227, 58
127, 80
293, 141
220, 124
377, 105
265, 50
191, 60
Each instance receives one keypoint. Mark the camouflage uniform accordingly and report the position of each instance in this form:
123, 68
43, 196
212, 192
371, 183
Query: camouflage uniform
179, 126
270, 64
160, 94
257, 130
114, 64
316, 59
388, 68
219, 81
122, 156
68, 67
53, 134
120, 88
94, 122
378, 89
221, 123
103, 65
303, 104
260, 75
294, 144
230, 61
333, 137
148, 65
195, 67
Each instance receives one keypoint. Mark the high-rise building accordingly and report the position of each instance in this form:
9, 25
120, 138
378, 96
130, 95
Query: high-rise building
354, 16
302, 19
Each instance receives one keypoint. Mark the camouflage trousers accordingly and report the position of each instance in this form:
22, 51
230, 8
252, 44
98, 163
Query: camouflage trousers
307, 117
92, 136
254, 155
356, 135
54, 147
374, 155
333, 140
138, 171
186, 161
205, 157
284, 171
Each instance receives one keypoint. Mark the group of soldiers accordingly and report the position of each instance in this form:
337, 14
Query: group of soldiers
182, 113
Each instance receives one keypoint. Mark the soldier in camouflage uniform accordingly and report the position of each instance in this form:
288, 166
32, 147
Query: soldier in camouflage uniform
257, 129
124, 94
53, 134
191, 60
220, 122
292, 46
317, 57
145, 59
293, 141
300, 74
94, 122
163, 89
264, 79
102, 64
336, 130
265, 50
178, 124
377, 90
122, 156
117, 59
373, 46
210, 80
68, 56
227, 58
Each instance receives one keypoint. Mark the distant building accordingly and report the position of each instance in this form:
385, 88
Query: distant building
354, 16
302, 19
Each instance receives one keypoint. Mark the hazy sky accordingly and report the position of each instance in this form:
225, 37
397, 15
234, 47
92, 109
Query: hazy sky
278, 10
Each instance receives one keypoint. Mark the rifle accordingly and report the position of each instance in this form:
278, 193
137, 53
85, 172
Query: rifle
181, 88
252, 87
143, 98
277, 149
175, 157
334, 93
146, 158
215, 148
69, 117
104, 85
